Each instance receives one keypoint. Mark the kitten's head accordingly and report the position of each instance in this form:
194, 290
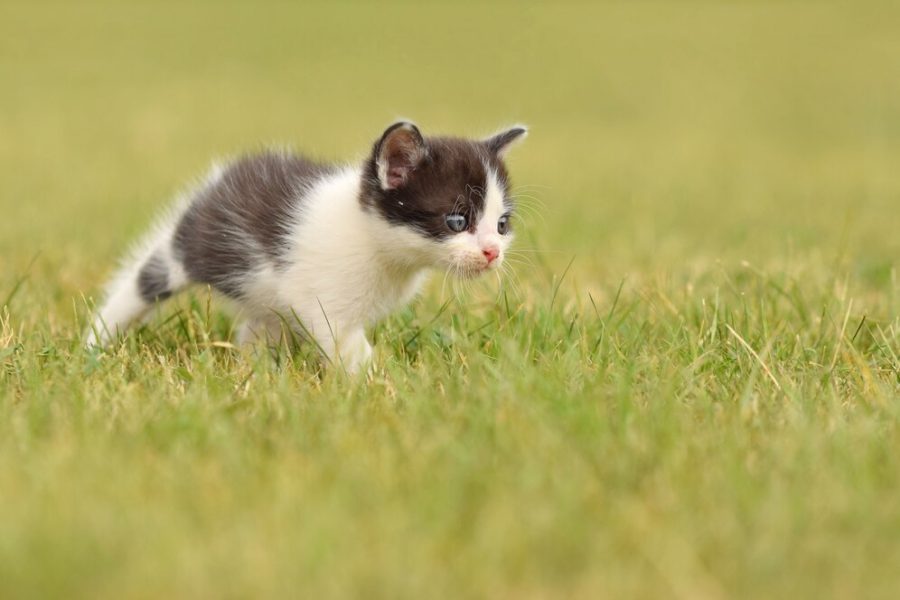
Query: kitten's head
448, 197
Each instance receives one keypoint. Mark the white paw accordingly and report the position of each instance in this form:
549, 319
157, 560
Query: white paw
355, 353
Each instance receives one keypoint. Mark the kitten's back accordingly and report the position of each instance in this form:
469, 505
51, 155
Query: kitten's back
241, 219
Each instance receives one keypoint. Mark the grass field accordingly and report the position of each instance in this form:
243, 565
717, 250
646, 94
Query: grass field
689, 389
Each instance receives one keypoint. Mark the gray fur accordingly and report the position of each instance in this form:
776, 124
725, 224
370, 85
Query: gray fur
241, 221
153, 280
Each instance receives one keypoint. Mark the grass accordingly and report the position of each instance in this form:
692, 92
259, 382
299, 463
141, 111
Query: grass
689, 388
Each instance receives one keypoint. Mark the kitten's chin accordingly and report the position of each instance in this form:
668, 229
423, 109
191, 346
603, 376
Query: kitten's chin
471, 272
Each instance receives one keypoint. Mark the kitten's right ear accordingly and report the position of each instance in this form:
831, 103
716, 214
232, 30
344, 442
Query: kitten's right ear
397, 154
501, 142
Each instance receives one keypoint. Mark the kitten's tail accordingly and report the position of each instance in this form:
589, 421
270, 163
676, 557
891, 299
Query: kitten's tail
152, 273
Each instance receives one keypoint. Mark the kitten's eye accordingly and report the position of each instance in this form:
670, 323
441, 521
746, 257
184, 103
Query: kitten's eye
457, 223
503, 225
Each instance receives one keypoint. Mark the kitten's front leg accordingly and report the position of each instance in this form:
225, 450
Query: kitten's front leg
353, 351
348, 350
268, 330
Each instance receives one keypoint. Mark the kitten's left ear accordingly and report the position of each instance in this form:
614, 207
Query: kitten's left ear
503, 141
398, 153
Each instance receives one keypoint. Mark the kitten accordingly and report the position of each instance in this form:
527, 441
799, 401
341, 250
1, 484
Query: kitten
335, 247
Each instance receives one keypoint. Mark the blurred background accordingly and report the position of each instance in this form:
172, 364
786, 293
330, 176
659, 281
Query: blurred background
722, 164
665, 136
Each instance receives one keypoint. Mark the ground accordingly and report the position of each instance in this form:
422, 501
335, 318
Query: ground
687, 387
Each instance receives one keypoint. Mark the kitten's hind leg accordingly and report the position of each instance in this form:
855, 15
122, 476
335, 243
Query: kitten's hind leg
133, 292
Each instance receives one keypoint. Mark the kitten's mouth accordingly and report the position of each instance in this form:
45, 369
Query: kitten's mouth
472, 271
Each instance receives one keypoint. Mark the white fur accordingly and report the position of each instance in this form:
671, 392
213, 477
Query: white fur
347, 268
122, 302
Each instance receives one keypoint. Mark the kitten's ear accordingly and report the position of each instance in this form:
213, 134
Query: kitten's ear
501, 142
398, 153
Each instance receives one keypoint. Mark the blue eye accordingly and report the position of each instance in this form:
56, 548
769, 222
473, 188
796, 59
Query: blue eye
503, 225
457, 223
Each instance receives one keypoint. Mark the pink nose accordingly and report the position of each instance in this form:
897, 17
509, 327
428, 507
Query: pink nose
491, 253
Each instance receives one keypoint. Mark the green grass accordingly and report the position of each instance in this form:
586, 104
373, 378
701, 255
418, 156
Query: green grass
689, 389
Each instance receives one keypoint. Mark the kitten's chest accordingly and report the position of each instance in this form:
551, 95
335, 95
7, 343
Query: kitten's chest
349, 281
344, 258
372, 292
392, 290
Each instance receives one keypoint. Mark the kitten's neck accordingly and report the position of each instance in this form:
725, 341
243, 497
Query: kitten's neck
395, 249
394, 255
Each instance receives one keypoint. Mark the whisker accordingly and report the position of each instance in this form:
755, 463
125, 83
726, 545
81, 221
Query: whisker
530, 186
528, 198
509, 278
520, 264
539, 251
444, 284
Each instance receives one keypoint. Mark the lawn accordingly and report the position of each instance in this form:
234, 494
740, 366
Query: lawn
689, 386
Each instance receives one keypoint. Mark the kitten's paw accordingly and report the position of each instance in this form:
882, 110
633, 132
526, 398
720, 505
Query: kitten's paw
96, 338
355, 353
